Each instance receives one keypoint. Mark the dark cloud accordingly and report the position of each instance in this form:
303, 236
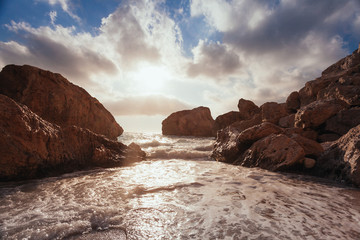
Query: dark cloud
145, 105
213, 60
286, 24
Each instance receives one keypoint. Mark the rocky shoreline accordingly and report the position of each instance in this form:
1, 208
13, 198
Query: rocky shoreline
50, 126
316, 131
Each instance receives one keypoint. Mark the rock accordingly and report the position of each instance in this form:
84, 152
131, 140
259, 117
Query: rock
316, 113
341, 161
31, 147
311, 148
196, 122
56, 100
226, 119
309, 163
343, 121
247, 137
343, 66
328, 137
247, 109
287, 121
275, 152
272, 112
308, 93
232, 141
293, 102
350, 94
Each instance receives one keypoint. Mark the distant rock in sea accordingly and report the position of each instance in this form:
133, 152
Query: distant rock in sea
48, 126
197, 122
57, 100
287, 136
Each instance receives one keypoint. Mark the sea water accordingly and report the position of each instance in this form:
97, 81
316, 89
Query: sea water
179, 192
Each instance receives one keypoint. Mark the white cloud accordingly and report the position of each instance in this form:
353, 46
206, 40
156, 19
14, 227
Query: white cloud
66, 7
53, 15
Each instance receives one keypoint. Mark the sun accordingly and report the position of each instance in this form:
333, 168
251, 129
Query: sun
150, 78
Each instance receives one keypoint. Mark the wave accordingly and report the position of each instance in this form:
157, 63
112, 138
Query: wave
178, 154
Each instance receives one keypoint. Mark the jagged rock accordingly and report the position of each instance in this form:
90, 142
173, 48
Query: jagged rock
293, 102
341, 160
287, 121
328, 137
275, 152
56, 100
32, 147
226, 119
316, 113
272, 112
343, 121
196, 122
247, 108
231, 142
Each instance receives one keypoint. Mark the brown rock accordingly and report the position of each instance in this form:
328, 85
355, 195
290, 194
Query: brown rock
293, 102
287, 121
196, 122
226, 119
328, 137
343, 121
247, 109
311, 148
275, 152
225, 147
32, 147
316, 113
56, 100
247, 137
272, 112
341, 160
309, 163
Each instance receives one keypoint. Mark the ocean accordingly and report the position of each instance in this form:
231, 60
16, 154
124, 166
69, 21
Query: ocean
179, 192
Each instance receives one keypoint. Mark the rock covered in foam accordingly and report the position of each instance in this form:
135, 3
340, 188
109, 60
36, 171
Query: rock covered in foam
32, 147
56, 100
197, 122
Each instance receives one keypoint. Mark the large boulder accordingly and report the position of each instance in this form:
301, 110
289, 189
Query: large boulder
32, 147
293, 102
232, 141
247, 108
275, 152
56, 100
196, 122
226, 119
343, 121
273, 112
341, 160
316, 113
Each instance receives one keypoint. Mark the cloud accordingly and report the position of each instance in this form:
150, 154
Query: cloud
213, 60
53, 15
66, 7
146, 105
281, 44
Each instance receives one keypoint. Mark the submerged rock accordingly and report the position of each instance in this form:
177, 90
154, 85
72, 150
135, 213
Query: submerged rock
56, 100
32, 147
197, 122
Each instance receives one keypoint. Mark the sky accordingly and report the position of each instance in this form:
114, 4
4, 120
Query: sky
144, 59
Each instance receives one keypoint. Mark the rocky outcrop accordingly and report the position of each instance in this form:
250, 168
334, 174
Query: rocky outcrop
341, 161
32, 147
197, 122
56, 100
290, 134
226, 119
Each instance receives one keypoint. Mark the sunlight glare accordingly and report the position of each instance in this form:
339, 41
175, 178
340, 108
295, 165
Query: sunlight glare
150, 78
